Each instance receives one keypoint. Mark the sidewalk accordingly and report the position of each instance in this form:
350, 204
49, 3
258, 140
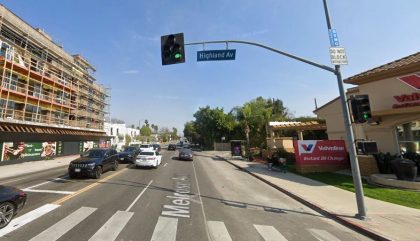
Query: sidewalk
386, 221
13, 170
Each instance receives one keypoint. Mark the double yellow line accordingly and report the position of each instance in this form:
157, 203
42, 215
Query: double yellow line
62, 200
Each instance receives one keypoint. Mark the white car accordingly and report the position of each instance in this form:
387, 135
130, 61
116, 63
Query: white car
146, 147
148, 158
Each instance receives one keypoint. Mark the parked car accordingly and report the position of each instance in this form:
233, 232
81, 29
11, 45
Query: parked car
94, 162
11, 201
128, 154
148, 159
171, 147
156, 147
146, 147
186, 154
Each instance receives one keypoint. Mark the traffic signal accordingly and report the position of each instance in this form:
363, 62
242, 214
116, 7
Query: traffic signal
172, 49
360, 108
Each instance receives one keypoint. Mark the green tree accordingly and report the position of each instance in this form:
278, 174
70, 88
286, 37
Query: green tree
127, 139
145, 130
190, 132
211, 124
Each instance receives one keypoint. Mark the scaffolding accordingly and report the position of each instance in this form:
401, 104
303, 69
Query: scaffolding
41, 83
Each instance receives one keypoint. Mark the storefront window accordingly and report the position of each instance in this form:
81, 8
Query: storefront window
409, 137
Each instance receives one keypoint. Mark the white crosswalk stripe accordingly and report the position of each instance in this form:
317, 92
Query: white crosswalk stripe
27, 218
218, 231
269, 233
165, 229
110, 230
63, 226
322, 235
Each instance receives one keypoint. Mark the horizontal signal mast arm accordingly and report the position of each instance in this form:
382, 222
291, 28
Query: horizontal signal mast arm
268, 48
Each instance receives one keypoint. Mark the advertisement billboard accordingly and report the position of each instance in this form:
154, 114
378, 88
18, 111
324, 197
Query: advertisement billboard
28, 150
319, 152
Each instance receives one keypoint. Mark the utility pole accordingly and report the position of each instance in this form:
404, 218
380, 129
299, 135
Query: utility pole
350, 137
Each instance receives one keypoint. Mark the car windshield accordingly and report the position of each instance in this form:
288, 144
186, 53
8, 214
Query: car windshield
147, 153
144, 146
94, 153
130, 149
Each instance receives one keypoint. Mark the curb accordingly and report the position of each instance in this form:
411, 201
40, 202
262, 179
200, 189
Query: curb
367, 232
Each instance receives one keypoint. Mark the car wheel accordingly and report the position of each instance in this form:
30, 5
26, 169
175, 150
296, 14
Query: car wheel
156, 165
115, 166
72, 175
7, 211
98, 172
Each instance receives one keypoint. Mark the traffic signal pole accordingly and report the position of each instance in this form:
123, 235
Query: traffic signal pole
343, 98
350, 137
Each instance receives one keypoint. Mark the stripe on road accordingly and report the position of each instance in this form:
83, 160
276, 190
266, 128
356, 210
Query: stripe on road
48, 191
165, 229
110, 230
218, 231
269, 233
27, 217
138, 197
64, 225
323, 235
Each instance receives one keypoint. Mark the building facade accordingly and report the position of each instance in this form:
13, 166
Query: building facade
118, 133
394, 96
47, 96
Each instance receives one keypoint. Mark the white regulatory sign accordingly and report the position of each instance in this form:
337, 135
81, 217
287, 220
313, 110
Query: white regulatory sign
338, 56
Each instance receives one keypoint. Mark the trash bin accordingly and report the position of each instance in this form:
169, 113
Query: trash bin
404, 169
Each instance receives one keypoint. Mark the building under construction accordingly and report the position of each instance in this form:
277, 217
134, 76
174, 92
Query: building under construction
48, 98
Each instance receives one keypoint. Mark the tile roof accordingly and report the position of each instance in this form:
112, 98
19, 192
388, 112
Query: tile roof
395, 68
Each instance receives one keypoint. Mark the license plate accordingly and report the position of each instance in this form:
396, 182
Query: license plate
77, 170
122, 159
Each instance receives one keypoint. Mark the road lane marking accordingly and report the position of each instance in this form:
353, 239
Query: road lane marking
48, 191
27, 217
138, 197
202, 203
165, 164
110, 230
218, 231
165, 229
43, 183
61, 200
322, 235
269, 233
64, 225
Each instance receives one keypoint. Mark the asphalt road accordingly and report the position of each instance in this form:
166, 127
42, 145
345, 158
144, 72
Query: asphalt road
206, 199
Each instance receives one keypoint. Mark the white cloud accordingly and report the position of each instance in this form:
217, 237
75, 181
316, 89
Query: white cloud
131, 71
167, 97
253, 33
137, 36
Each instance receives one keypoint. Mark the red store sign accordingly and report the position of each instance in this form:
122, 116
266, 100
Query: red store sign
407, 100
313, 152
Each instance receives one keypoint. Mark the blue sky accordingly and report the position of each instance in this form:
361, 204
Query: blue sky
122, 40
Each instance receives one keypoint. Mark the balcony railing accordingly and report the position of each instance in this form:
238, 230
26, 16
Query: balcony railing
19, 115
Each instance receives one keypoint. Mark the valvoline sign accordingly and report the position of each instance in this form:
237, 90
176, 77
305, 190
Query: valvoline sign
320, 152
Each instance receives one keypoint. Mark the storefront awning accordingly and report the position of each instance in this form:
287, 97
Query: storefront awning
299, 126
22, 132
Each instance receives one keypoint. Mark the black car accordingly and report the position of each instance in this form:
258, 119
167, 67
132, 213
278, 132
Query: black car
172, 147
128, 154
186, 154
94, 162
11, 201
156, 147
